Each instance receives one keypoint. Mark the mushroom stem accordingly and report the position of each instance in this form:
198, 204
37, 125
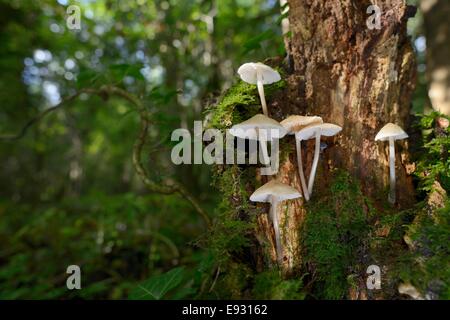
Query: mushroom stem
392, 170
300, 168
276, 228
263, 145
314, 165
260, 85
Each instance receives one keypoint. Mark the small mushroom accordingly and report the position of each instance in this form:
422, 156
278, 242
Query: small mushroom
293, 124
259, 74
274, 192
317, 130
391, 132
257, 128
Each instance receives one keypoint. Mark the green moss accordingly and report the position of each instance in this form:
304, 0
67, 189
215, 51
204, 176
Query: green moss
233, 232
335, 235
427, 267
433, 164
239, 103
235, 281
235, 215
240, 96
270, 285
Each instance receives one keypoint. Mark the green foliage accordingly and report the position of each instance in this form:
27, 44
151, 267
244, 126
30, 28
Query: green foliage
428, 266
234, 281
158, 286
116, 240
270, 285
434, 163
69, 194
334, 233
424, 228
68, 187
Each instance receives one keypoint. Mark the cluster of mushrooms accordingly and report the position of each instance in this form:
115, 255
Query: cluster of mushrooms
264, 129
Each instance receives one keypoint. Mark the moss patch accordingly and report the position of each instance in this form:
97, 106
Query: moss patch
335, 236
427, 266
233, 232
235, 215
239, 103
433, 163
424, 229
270, 285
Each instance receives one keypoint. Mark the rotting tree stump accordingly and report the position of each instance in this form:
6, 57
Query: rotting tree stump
357, 78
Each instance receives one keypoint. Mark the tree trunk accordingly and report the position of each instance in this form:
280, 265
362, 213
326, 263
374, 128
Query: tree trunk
357, 78
437, 30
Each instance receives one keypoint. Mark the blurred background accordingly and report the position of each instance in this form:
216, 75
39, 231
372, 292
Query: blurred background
68, 190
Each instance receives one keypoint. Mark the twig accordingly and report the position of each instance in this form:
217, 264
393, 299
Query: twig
154, 187
41, 115
215, 279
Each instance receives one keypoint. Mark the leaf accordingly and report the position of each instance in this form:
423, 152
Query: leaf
184, 292
86, 78
255, 42
158, 286
122, 70
162, 95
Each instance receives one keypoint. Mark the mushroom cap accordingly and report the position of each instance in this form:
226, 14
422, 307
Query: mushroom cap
391, 131
249, 129
295, 123
277, 189
325, 129
248, 73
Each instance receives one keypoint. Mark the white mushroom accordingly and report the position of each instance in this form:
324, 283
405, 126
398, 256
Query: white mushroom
317, 130
261, 128
293, 124
274, 192
391, 132
259, 74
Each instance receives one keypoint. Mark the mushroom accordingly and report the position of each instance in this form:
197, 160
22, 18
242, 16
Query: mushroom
293, 124
391, 132
275, 192
259, 74
256, 128
316, 130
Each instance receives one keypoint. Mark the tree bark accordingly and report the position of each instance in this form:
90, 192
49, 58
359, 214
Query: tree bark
437, 30
357, 78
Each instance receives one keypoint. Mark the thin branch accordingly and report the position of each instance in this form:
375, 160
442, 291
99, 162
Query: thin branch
32, 121
173, 187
